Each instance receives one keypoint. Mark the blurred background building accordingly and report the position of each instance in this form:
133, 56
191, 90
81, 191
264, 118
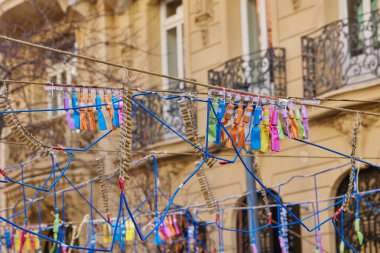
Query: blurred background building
289, 48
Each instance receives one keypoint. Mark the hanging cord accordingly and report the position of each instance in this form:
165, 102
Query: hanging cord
191, 133
319, 246
162, 75
256, 171
20, 132
346, 202
102, 183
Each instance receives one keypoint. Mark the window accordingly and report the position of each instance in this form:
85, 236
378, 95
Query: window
257, 40
369, 180
269, 241
61, 70
172, 48
362, 14
60, 73
172, 39
256, 25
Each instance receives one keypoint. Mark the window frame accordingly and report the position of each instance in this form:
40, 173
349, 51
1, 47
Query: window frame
56, 71
167, 23
263, 29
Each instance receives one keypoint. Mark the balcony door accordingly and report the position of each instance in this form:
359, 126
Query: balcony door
363, 25
172, 49
256, 40
360, 39
256, 25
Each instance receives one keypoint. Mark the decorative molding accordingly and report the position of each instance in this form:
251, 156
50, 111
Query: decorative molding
118, 6
296, 4
204, 10
344, 122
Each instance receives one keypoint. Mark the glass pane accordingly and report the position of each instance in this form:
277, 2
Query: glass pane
253, 26
373, 5
172, 52
171, 7
355, 16
54, 103
53, 79
63, 77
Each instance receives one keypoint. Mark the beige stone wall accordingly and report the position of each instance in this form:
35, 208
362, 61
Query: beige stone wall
206, 47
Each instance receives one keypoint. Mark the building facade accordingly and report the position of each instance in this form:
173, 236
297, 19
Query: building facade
299, 48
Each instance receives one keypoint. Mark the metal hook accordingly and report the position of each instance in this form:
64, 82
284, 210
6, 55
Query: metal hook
126, 71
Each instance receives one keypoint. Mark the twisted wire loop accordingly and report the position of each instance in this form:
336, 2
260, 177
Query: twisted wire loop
192, 135
256, 171
18, 130
346, 202
125, 151
102, 184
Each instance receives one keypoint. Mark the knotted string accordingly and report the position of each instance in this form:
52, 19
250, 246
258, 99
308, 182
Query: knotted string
219, 117
275, 139
90, 112
108, 106
228, 116
358, 231
130, 231
76, 114
83, 118
175, 222
254, 248
265, 130
301, 129
234, 130
255, 131
284, 114
115, 121
279, 129
282, 244
101, 121
212, 122
319, 241
293, 125
305, 121
121, 108
66, 104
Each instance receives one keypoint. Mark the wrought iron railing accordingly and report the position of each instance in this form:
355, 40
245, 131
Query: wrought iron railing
261, 72
147, 130
341, 53
369, 181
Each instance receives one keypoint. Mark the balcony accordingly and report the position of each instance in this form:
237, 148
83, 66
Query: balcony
262, 72
147, 130
340, 54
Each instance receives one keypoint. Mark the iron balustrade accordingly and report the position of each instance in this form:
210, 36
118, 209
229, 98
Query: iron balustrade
147, 130
340, 54
368, 179
262, 72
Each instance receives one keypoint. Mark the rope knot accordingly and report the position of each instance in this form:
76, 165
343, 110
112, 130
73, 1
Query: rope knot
270, 219
121, 184
2, 172
336, 214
